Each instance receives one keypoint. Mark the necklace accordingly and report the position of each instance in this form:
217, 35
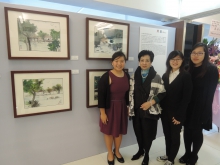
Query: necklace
144, 73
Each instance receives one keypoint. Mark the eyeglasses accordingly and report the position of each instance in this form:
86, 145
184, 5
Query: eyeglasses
177, 60
198, 54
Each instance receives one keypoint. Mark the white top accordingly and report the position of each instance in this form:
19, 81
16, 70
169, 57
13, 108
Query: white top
173, 75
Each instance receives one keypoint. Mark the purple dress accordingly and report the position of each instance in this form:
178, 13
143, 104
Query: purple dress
117, 113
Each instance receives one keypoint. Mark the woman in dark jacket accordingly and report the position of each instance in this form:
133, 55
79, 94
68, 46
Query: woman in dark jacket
113, 99
178, 85
146, 91
199, 112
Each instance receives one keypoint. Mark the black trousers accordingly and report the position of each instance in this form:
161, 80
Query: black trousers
193, 139
145, 130
172, 136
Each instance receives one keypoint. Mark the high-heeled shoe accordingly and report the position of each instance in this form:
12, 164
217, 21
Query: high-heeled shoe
112, 162
121, 160
138, 155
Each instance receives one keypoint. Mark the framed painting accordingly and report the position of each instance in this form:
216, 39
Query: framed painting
41, 92
104, 38
92, 79
36, 35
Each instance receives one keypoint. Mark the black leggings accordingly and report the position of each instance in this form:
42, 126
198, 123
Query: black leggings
145, 130
192, 138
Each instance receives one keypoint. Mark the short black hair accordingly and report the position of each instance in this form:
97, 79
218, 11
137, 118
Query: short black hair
118, 54
144, 53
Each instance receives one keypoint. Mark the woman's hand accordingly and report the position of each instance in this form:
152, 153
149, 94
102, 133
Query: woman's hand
145, 106
104, 118
175, 122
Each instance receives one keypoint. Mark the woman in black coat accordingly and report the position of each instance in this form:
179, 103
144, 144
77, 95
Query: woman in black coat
199, 112
146, 91
178, 85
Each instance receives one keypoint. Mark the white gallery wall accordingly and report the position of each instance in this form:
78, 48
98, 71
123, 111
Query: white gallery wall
59, 138
208, 19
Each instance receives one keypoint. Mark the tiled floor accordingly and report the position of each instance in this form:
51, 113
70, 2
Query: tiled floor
208, 155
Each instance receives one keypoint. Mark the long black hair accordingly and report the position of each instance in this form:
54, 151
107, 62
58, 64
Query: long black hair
172, 55
205, 61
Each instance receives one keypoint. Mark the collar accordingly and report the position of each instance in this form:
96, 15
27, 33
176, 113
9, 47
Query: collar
138, 77
175, 72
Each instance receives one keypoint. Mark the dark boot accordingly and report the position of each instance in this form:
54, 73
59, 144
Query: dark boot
184, 159
193, 159
145, 160
139, 154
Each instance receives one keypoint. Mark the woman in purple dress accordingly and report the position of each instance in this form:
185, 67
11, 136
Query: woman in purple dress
113, 98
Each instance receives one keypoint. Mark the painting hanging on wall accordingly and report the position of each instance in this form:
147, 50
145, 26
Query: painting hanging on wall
104, 38
40, 92
36, 35
92, 79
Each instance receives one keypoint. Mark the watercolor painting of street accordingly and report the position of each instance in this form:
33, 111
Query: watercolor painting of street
35, 35
107, 39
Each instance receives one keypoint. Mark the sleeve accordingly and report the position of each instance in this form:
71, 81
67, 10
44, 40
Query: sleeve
213, 81
186, 97
102, 91
127, 92
156, 99
161, 92
131, 97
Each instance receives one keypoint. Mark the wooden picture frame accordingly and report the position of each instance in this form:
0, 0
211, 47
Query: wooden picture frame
104, 38
36, 34
41, 92
92, 78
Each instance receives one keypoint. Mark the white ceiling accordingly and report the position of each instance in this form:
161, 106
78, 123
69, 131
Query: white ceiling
93, 4
151, 12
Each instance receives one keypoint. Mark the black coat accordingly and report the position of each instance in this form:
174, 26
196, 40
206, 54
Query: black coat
104, 93
142, 91
178, 95
199, 111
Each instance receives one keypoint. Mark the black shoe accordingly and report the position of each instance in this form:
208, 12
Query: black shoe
138, 155
144, 163
193, 159
121, 160
110, 162
145, 160
183, 159
189, 164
